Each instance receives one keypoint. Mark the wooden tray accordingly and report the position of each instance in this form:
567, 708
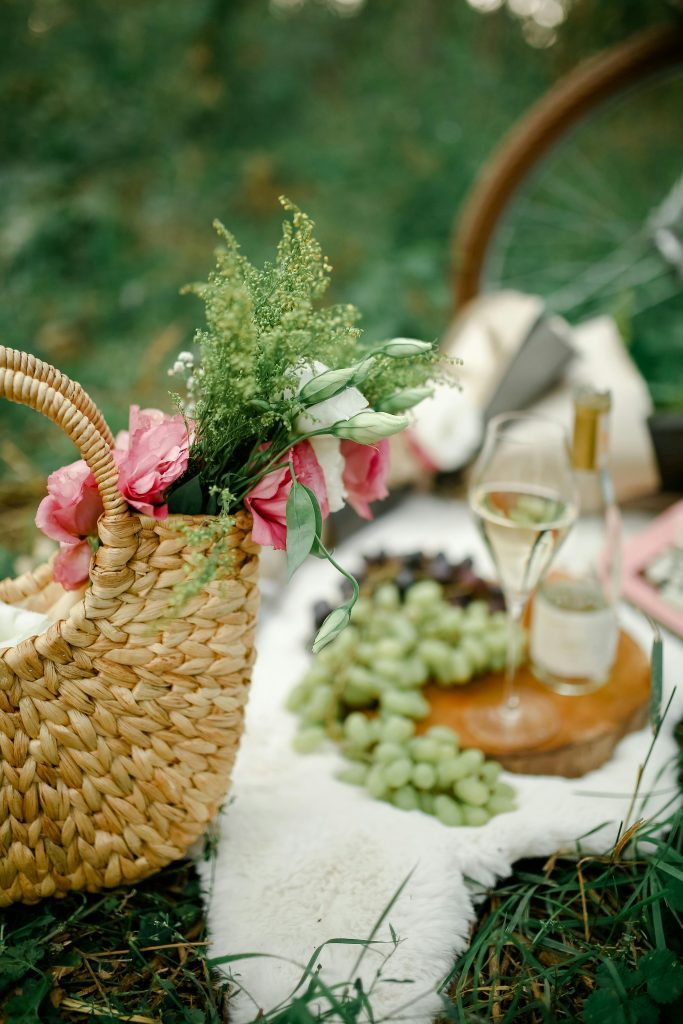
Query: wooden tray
591, 726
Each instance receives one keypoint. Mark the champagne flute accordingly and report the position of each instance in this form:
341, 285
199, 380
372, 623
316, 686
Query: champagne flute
523, 495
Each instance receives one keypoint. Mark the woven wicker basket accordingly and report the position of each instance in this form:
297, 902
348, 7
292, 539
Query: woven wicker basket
119, 725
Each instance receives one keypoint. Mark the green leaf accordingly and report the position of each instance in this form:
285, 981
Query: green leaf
656, 675
316, 549
643, 1009
663, 974
603, 1006
301, 526
16, 960
187, 499
334, 624
23, 1008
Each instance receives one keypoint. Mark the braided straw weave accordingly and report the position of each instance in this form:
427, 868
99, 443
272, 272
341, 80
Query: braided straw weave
120, 724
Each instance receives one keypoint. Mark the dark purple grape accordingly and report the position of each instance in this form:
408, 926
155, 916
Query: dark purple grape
440, 569
404, 579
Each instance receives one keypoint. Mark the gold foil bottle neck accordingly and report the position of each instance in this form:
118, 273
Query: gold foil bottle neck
589, 446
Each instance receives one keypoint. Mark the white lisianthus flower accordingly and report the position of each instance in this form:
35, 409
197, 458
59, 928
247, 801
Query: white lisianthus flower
327, 448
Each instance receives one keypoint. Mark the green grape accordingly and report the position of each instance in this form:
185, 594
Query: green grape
376, 783
412, 705
316, 674
439, 657
447, 810
330, 659
396, 729
467, 763
504, 789
448, 771
353, 774
390, 648
416, 671
490, 771
406, 798
389, 669
449, 625
353, 752
500, 805
497, 642
298, 696
424, 776
461, 667
365, 654
473, 758
477, 610
424, 748
472, 791
387, 596
362, 611
475, 649
309, 739
356, 697
364, 681
398, 773
402, 629
321, 705
375, 729
426, 803
385, 752
474, 816
346, 643
358, 730
443, 734
425, 595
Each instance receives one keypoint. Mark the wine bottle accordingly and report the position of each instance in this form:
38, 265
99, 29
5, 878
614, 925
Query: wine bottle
574, 628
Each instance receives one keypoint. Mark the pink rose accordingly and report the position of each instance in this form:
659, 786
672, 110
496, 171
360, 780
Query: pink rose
72, 564
151, 455
267, 502
365, 474
69, 513
72, 505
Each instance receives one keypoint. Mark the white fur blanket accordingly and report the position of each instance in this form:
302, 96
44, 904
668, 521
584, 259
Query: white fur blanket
303, 858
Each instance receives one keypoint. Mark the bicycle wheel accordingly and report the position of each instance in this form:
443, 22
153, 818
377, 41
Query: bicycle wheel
583, 204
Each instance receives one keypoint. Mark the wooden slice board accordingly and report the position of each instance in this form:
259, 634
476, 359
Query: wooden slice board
591, 725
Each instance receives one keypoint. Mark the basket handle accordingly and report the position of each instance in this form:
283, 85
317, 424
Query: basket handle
29, 381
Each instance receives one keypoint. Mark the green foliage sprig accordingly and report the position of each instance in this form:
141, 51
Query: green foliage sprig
271, 352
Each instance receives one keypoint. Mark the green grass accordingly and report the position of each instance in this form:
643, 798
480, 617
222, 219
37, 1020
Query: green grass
588, 938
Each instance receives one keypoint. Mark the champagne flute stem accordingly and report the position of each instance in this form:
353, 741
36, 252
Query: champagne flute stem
515, 610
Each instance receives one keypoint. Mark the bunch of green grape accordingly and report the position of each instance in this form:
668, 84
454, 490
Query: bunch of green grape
380, 663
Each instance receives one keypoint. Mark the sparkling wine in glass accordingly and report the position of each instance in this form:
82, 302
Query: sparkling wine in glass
523, 496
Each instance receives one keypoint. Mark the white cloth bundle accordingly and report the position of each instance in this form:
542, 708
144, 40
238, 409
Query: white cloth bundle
16, 624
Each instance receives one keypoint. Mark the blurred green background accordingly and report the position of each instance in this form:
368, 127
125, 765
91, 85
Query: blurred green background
128, 125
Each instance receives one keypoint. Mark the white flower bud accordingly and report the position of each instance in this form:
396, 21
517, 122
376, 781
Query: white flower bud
333, 625
367, 427
406, 399
400, 347
327, 385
